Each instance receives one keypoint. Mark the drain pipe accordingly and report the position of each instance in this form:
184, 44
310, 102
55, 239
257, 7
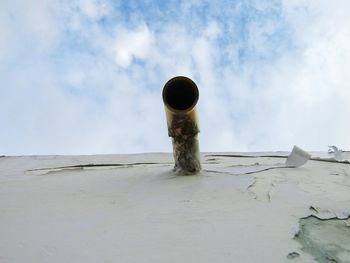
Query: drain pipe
180, 96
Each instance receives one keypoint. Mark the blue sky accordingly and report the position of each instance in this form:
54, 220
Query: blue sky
85, 77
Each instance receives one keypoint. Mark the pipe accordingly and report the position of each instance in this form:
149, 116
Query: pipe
180, 96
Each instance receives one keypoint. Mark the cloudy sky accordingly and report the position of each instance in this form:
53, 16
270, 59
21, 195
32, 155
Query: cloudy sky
85, 77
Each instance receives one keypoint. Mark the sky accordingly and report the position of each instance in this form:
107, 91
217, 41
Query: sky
86, 76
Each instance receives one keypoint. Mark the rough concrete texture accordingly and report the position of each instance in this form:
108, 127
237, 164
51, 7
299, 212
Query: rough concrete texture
133, 208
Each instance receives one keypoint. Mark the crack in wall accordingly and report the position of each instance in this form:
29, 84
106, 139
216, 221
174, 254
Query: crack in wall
91, 165
258, 170
245, 156
261, 189
318, 159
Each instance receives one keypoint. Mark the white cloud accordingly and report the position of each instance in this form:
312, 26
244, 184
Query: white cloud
4, 36
86, 77
132, 44
30, 23
94, 9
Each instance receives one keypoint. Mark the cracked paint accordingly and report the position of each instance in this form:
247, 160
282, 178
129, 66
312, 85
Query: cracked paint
133, 208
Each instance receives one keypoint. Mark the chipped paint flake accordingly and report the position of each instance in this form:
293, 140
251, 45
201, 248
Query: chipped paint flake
327, 240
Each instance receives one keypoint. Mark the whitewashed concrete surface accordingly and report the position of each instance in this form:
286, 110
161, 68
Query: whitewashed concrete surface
132, 208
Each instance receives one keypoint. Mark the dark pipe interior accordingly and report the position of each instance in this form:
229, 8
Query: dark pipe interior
180, 94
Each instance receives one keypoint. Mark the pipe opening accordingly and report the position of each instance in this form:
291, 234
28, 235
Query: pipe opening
180, 93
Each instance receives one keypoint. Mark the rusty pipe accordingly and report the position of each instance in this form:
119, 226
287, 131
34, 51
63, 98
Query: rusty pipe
180, 96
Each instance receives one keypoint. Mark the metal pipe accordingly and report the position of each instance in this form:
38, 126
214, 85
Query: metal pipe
180, 96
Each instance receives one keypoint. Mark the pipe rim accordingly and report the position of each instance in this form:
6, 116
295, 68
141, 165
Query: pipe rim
193, 86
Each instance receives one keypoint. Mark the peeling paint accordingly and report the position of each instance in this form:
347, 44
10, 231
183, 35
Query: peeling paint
293, 255
137, 203
327, 240
261, 190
